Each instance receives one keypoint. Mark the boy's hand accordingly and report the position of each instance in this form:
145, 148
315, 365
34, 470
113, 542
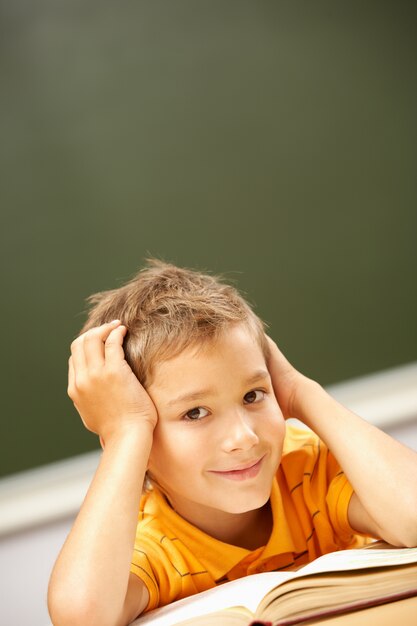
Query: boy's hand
103, 387
286, 381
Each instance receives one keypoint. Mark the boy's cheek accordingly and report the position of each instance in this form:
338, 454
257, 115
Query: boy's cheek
282, 427
165, 446
276, 410
279, 427
280, 436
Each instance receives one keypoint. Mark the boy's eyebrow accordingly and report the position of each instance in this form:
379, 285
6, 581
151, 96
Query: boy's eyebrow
195, 395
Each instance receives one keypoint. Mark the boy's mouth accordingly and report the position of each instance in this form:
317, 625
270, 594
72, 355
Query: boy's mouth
242, 472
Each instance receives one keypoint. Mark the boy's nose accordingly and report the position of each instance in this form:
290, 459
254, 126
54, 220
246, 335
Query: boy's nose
238, 433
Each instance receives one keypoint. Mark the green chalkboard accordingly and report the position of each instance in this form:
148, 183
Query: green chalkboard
272, 141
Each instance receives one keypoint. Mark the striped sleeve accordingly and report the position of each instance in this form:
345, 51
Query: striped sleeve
337, 499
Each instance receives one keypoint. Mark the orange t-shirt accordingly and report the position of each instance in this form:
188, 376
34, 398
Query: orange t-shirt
309, 501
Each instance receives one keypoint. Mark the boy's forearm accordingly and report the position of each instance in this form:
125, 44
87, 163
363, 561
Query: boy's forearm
92, 571
381, 470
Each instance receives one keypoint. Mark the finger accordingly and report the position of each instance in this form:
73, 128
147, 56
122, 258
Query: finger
90, 346
271, 342
71, 377
275, 351
94, 340
113, 347
78, 357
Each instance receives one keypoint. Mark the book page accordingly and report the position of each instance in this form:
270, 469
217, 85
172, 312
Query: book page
246, 592
359, 559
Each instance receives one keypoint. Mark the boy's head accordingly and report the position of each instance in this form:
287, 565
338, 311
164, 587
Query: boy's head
201, 352
167, 309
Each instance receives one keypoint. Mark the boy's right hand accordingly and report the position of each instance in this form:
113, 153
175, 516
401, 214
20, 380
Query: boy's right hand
102, 385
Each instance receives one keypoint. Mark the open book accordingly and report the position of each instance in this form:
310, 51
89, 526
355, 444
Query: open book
333, 584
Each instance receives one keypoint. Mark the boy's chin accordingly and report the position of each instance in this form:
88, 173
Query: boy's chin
252, 504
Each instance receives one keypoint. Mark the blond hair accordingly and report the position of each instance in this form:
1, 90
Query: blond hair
167, 309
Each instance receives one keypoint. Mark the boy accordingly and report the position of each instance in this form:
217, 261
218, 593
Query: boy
185, 387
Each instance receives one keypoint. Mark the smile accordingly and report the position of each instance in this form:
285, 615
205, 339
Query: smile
241, 474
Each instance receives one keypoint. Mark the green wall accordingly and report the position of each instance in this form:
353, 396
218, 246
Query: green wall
273, 141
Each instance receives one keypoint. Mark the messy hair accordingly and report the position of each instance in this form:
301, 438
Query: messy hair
167, 309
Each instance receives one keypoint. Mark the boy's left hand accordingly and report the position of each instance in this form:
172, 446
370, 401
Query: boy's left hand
381, 470
286, 380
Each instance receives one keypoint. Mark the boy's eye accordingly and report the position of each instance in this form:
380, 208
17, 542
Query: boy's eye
195, 414
198, 413
256, 395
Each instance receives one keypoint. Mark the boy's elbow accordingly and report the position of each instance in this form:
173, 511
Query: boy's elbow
410, 526
79, 615
67, 610
409, 539
400, 540
405, 533
404, 541
62, 610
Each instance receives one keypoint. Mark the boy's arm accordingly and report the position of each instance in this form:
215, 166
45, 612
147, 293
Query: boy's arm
382, 472
90, 583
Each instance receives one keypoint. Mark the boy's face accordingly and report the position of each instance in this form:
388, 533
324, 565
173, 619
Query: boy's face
220, 447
